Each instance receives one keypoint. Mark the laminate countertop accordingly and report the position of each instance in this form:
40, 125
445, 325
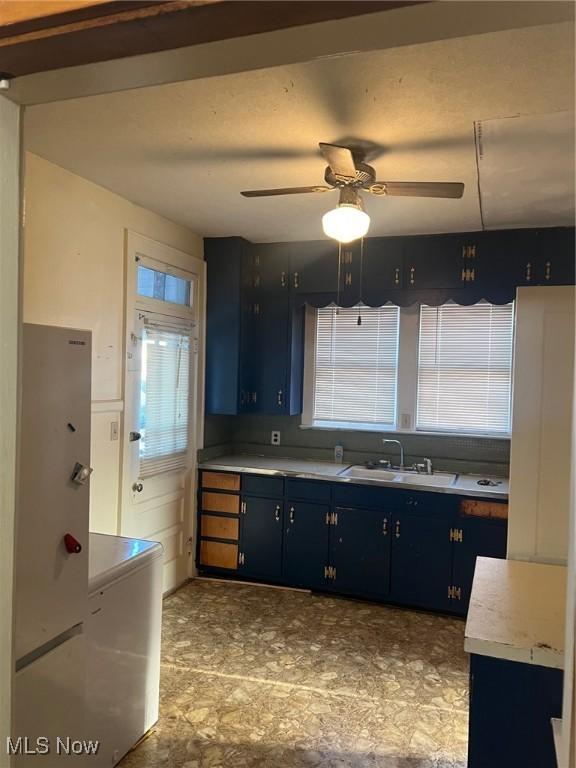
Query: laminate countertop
517, 612
463, 485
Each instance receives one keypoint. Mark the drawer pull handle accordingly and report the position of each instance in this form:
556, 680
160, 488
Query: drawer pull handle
397, 531
277, 512
291, 515
385, 526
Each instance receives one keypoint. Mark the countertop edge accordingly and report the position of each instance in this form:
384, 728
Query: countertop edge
214, 465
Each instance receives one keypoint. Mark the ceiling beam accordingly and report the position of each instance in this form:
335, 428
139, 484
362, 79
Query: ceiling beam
379, 30
115, 30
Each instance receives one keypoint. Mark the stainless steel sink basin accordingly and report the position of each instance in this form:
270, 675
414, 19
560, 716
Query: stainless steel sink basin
437, 480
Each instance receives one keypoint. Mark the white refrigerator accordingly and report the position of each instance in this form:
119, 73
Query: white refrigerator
51, 599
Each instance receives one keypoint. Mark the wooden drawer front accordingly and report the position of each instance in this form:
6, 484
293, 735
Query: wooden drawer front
477, 508
224, 481
307, 490
219, 527
259, 485
220, 502
219, 555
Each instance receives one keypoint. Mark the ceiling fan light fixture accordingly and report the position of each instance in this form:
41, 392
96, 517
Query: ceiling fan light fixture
348, 221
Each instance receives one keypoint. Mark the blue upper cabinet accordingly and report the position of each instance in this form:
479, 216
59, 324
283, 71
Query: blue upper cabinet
254, 340
556, 262
439, 262
228, 317
382, 267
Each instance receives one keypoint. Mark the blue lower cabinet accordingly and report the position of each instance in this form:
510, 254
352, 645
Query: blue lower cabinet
261, 538
305, 544
473, 537
511, 705
421, 559
360, 552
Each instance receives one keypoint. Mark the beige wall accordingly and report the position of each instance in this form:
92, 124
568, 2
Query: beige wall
74, 249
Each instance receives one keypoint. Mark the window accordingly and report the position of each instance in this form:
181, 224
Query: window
465, 368
431, 369
355, 366
161, 286
164, 400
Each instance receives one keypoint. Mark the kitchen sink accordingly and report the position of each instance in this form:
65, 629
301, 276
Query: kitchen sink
437, 480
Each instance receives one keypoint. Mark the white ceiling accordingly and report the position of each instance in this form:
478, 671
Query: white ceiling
186, 150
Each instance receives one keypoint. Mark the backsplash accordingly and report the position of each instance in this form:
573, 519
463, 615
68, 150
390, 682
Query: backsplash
251, 434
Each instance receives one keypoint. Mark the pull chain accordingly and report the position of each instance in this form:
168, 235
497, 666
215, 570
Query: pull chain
339, 275
359, 321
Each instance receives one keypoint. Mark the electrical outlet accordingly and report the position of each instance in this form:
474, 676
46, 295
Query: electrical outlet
113, 430
405, 421
275, 437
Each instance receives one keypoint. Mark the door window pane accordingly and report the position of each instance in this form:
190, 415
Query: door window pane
163, 287
164, 395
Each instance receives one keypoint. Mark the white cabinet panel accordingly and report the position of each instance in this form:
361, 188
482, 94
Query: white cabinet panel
541, 453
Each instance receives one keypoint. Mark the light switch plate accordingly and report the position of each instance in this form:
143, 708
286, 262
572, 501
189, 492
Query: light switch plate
275, 437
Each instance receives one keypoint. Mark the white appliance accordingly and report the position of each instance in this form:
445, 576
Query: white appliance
51, 578
123, 631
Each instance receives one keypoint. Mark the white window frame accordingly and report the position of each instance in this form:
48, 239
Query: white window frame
407, 386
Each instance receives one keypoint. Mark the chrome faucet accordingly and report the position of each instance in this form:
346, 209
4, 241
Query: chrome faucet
399, 444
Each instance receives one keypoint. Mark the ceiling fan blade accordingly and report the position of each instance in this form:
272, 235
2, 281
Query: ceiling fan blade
340, 160
286, 191
454, 189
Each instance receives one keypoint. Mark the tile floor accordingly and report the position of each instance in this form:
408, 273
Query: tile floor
253, 676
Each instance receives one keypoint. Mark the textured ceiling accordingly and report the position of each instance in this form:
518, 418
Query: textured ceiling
186, 150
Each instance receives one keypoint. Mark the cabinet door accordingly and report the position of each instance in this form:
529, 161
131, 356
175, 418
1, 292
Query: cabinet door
439, 261
271, 267
305, 544
273, 355
505, 259
314, 267
261, 538
556, 256
421, 558
382, 268
478, 537
360, 551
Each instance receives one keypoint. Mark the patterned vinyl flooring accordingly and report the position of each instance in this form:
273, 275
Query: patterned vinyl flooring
254, 676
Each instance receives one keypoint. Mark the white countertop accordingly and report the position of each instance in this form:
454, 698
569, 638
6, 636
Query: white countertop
517, 612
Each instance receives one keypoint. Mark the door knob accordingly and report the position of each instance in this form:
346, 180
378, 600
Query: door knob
73, 546
138, 487
134, 436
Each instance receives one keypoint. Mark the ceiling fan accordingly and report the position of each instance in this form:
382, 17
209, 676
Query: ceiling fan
348, 173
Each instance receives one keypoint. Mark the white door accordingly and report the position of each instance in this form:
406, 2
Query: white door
162, 402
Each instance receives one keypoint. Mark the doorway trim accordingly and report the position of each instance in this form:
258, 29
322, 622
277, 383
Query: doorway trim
10, 305
169, 259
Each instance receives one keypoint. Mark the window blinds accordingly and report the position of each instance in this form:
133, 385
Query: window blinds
355, 366
465, 368
164, 398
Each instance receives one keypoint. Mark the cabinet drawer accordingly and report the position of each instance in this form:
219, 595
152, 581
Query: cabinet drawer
219, 555
220, 502
260, 485
225, 481
476, 508
307, 490
365, 496
219, 527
